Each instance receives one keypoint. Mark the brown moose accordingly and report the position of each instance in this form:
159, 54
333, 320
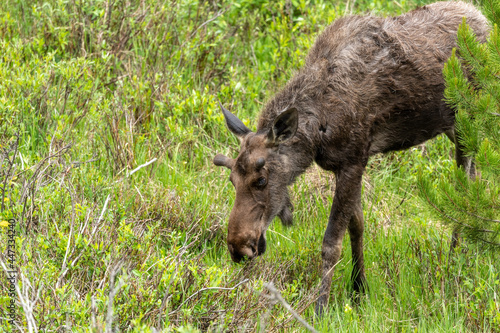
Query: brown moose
370, 85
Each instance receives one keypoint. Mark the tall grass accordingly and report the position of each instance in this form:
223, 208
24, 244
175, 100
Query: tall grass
95, 89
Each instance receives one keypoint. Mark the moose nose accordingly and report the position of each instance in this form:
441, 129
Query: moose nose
238, 253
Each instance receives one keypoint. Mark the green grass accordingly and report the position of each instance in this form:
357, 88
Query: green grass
122, 83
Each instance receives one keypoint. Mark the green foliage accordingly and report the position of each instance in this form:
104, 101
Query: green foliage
95, 89
473, 206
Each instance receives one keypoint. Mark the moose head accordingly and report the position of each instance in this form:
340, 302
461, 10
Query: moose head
260, 174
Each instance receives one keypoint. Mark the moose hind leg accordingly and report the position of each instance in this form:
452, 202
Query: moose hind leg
468, 165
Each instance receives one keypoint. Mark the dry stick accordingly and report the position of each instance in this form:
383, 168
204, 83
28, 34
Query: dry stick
102, 213
90, 241
219, 13
29, 186
275, 295
112, 294
93, 231
78, 163
93, 310
26, 304
141, 166
204, 289
14, 147
82, 228
312, 300
170, 281
39, 164
137, 169
69, 237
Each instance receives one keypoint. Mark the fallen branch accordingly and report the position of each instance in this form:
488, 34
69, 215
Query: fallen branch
276, 296
113, 290
102, 213
13, 147
219, 13
24, 299
141, 166
205, 289
136, 169
167, 295
65, 268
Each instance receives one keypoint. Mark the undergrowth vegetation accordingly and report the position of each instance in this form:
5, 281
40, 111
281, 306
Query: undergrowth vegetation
92, 91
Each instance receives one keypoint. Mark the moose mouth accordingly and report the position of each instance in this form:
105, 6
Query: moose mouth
261, 247
237, 256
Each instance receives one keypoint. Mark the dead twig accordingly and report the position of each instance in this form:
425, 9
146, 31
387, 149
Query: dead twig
276, 296
65, 267
13, 147
137, 169
205, 289
219, 13
141, 166
112, 293
69, 239
167, 295
27, 304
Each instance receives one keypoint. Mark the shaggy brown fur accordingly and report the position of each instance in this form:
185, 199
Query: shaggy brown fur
369, 85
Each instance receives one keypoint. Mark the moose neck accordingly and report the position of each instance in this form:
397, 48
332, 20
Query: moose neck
303, 93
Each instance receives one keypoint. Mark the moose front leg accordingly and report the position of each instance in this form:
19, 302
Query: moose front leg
346, 212
356, 228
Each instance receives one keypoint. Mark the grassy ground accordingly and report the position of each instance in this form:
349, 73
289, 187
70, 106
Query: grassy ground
91, 90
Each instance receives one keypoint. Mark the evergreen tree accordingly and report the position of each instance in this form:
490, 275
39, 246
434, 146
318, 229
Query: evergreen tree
472, 206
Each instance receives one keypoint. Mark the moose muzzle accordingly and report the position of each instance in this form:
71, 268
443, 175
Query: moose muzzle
249, 248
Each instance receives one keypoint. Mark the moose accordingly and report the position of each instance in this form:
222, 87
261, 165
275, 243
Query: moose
369, 85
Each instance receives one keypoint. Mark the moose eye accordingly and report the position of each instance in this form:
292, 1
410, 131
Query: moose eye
261, 182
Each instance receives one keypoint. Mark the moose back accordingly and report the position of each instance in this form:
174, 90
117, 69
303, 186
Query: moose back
370, 85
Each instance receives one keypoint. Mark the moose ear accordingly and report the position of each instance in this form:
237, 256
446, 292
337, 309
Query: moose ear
222, 160
284, 127
235, 125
